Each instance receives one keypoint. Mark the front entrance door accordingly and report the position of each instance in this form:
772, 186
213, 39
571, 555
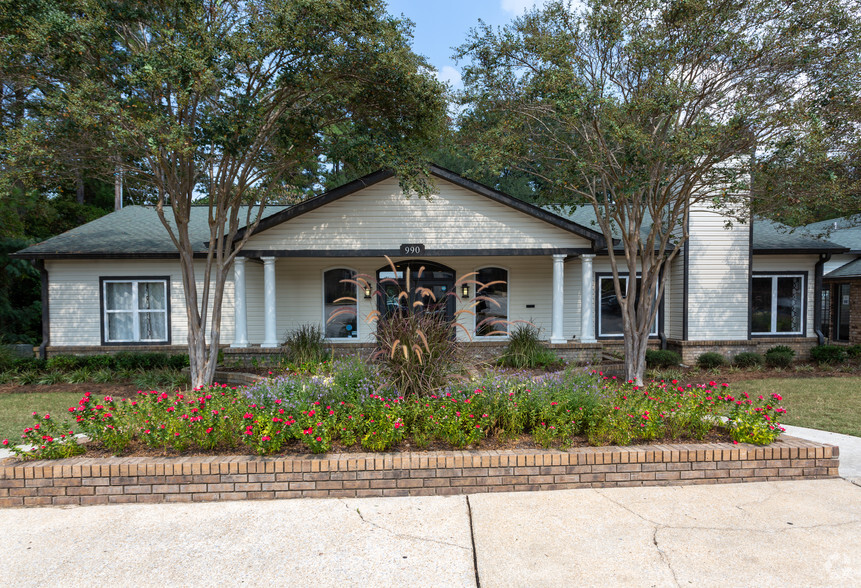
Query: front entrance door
423, 286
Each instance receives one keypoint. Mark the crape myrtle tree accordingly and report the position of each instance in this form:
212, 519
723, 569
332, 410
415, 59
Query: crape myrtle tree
229, 102
647, 108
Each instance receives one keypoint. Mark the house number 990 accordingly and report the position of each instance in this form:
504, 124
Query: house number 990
412, 249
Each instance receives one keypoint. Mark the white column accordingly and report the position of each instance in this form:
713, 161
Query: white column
240, 328
587, 299
556, 333
270, 338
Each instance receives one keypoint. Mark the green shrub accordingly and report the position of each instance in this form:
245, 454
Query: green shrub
779, 358
65, 363
99, 362
28, 364
526, 350
781, 349
828, 354
662, 358
305, 344
177, 362
7, 358
710, 360
415, 351
854, 351
748, 359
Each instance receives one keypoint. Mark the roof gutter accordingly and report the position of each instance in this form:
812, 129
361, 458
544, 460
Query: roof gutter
817, 296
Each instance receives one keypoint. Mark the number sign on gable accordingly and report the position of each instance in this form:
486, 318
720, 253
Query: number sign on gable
412, 249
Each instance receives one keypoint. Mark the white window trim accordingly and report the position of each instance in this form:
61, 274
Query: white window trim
803, 293
358, 336
507, 307
135, 310
599, 317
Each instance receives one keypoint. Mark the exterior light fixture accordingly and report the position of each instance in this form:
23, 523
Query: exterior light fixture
464, 291
367, 291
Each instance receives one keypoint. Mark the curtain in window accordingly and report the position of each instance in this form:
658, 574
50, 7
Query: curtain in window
491, 311
339, 304
119, 302
152, 315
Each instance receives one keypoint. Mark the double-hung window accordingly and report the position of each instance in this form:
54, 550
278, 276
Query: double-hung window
609, 309
777, 304
135, 310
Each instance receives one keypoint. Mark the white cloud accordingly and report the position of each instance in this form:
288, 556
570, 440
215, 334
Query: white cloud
449, 75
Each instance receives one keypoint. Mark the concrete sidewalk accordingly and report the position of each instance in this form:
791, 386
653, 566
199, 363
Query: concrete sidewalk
797, 533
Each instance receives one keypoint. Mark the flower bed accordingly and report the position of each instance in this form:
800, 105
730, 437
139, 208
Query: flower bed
350, 406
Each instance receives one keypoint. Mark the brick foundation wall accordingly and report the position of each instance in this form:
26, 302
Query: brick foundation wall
690, 350
85, 481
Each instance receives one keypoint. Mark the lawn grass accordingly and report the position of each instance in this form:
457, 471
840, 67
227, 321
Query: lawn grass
16, 410
829, 404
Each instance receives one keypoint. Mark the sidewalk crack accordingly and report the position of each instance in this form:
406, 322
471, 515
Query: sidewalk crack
402, 535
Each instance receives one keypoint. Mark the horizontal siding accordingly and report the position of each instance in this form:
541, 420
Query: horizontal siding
675, 295
74, 304
718, 278
381, 217
792, 263
837, 261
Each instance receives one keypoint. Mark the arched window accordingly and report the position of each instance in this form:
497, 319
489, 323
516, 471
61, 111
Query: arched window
491, 312
339, 304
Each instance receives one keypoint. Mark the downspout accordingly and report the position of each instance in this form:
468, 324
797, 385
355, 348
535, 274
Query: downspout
817, 296
46, 327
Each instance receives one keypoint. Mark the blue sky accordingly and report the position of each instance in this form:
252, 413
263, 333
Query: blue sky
441, 25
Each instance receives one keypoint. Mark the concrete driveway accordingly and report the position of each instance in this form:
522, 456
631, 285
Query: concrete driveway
797, 533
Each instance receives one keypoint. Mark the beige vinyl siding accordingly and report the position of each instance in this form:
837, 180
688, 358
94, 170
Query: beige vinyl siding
75, 307
674, 295
381, 217
792, 263
299, 287
717, 277
837, 261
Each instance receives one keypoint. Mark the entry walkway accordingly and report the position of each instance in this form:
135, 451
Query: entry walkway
774, 533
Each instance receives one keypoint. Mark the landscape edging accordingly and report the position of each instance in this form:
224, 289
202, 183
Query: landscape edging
87, 481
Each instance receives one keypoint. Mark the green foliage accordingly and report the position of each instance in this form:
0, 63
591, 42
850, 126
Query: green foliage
747, 359
7, 357
710, 360
416, 351
357, 407
854, 351
526, 350
662, 358
65, 363
47, 438
828, 354
780, 356
305, 344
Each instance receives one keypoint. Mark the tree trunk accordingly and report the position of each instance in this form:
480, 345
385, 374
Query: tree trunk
118, 188
79, 187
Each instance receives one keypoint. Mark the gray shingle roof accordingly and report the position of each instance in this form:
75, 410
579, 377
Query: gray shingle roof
768, 235
845, 231
850, 270
130, 232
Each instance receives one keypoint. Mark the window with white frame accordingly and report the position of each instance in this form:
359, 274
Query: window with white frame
777, 304
135, 310
491, 309
609, 309
340, 304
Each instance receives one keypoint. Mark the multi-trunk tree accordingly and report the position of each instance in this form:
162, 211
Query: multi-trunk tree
644, 109
224, 101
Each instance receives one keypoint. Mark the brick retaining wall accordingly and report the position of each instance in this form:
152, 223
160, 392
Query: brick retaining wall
84, 481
